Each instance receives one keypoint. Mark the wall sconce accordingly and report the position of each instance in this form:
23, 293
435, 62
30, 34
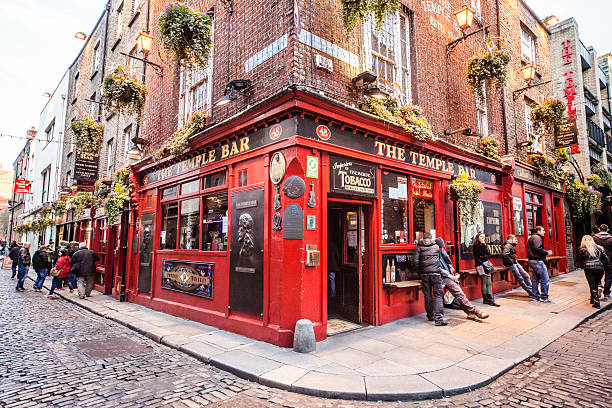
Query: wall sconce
47, 95
528, 72
465, 17
238, 86
144, 42
365, 82
80, 36
134, 155
550, 20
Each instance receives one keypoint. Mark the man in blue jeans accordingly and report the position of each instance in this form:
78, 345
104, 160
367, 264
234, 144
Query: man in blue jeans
510, 261
24, 264
536, 255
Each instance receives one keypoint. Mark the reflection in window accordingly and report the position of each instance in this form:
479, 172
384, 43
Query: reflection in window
214, 222
190, 219
394, 199
214, 180
189, 187
423, 219
169, 192
169, 223
533, 210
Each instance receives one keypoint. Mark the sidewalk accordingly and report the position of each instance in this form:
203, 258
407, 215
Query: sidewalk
406, 359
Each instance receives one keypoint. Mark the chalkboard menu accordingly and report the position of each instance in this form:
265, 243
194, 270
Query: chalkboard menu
398, 267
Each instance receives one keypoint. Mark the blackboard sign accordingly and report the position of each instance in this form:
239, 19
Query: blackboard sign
86, 166
489, 221
566, 133
193, 278
400, 267
351, 177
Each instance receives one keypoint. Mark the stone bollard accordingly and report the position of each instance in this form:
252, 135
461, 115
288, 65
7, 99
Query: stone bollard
304, 337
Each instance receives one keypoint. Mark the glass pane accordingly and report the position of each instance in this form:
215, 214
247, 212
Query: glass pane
190, 187
537, 199
529, 212
423, 218
394, 198
538, 215
169, 192
190, 222
214, 222
168, 229
214, 180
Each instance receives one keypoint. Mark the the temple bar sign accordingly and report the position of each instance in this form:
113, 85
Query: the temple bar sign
566, 133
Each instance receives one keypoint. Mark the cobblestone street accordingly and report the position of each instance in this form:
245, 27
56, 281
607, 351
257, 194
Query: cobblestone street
57, 354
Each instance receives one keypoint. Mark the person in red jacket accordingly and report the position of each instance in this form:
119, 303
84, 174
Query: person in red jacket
63, 266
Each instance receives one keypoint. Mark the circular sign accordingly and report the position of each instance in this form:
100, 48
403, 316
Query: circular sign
275, 132
277, 167
294, 187
323, 132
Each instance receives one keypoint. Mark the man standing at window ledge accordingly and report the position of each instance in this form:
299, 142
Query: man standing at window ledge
536, 254
427, 261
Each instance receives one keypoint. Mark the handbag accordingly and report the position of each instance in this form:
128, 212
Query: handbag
485, 269
54, 272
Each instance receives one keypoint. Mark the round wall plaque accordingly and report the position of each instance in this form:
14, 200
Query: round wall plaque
294, 187
277, 168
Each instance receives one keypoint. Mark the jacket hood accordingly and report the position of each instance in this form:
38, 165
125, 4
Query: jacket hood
440, 242
603, 235
427, 242
508, 242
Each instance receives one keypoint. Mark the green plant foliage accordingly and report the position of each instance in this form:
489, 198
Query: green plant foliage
101, 190
186, 34
546, 116
59, 207
486, 67
545, 166
122, 94
119, 194
408, 116
582, 201
465, 192
489, 146
82, 201
601, 180
354, 11
562, 156
89, 134
179, 139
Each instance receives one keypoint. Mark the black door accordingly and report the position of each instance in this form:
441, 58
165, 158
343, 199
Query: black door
146, 253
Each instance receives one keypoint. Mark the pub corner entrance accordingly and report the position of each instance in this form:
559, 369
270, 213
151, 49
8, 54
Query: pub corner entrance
349, 284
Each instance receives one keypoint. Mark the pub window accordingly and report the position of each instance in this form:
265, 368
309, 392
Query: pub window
190, 219
243, 178
394, 208
423, 216
213, 180
533, 210
169, 224
214, 222
190, 187
169, 192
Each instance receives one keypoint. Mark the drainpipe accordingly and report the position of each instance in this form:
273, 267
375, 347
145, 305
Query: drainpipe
125, 215
503, 89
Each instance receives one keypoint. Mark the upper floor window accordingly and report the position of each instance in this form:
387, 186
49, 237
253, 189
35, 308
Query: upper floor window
475, 4
45, 185
119, 22
96, 58
75, 89
481, 113
136, 5
49, 131
532, 136
127, 140
194, 92
109, 158
135, 67
388, 53
527, 47
92, 107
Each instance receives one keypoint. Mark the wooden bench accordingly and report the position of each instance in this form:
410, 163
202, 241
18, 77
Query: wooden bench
465, 272
392, 286
552, 263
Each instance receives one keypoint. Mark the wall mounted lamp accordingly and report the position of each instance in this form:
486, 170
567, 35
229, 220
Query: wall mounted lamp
466, 131
465, 18
80, 35
365, 82
528, 72
134, 155
523, 145
238, 86
144, 42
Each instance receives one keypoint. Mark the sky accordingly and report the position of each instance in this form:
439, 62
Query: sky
37, 45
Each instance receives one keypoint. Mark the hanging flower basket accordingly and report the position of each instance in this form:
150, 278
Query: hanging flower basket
119, 194
546, 116
545, 166
486, 67
82, 201
89, 134
465, 192
408, 116
354, 11
179, 139
582, 201
186, 34
489, 147
122, 94
601, 180
101, 190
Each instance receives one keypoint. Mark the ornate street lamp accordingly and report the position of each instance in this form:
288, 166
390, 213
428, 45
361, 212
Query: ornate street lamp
465, 17
80, 36
144, 42
528, 72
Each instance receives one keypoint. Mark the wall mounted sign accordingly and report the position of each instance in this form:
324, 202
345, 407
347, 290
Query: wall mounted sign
277, 222
422, 188
192, 278
311, 222
517, 208
294, 187
570, 86
312, 167
267, 53
294, 222
277, 167
22, 186
312, 201
86, 166
566, 133
524, 173
489, 221
323, 132
275, 132
351, 177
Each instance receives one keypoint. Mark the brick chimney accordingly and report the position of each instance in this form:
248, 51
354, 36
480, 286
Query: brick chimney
31, 133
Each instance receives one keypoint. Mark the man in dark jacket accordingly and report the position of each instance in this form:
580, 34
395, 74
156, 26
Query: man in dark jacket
14, 255
41, 264
604, 239
510, 261
23, 261
536, 255
427, 261
84, 263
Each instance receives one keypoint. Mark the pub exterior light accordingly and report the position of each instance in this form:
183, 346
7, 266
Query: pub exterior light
80, 35
528, 72
144, 42
464, 17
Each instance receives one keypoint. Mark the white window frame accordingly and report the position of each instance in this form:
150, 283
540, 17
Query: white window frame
127, 140
482, 120
49, 131
134, 69
475, 5
92, 107
46, 183
95, 58
135, 6
109, 158
532, 136
75, 90
402, 75
119, 22
527, 46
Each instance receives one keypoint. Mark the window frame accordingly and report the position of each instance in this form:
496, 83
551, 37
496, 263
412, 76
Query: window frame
109, 157
96, 59
528, 46
482, 113
119, 22
530, 205
532, 136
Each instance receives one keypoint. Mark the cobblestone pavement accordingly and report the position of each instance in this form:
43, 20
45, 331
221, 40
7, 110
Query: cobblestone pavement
52, 353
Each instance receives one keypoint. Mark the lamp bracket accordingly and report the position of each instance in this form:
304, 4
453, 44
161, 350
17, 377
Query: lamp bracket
158, 68
229, 6
516, 93
451, 45
466, 131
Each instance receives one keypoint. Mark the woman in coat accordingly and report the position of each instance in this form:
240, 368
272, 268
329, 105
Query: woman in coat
63, 266
594, 260
482, 255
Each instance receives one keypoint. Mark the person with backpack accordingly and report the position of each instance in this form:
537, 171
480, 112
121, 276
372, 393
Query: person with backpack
594, 260
24, 260
14, 256
41, 265
604, 239
427, 261
484, 267
450, 282
63, 267
83, 262
510, 261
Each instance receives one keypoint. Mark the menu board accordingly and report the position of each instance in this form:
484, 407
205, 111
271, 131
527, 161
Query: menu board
401, 267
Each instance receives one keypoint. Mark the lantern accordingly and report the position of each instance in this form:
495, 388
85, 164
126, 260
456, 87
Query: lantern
528, 72
465, 16
144, 42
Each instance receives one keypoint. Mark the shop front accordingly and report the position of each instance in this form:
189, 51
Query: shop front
305, 209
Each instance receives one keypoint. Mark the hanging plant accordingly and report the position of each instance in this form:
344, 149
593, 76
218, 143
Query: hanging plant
546, 116
179, 139
562, 156
582, 201
82, 201
489, 146
101, 190
119, 194
122, 94
545, 166
186, 34
89, 134
408, 116
354, 11
486, 67
600, 180
465, 192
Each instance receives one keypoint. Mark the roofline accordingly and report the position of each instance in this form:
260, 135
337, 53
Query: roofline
106, 9
533, 13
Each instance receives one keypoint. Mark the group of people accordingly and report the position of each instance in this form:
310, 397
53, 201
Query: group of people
70, 264
437, 273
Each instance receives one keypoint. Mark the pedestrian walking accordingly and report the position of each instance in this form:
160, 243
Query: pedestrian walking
14, 256
593, 259
510, 261
450, 282
84, 263
427, 261
604, 239
536, 255
484, 267
62, 266
23, 266
41, 265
